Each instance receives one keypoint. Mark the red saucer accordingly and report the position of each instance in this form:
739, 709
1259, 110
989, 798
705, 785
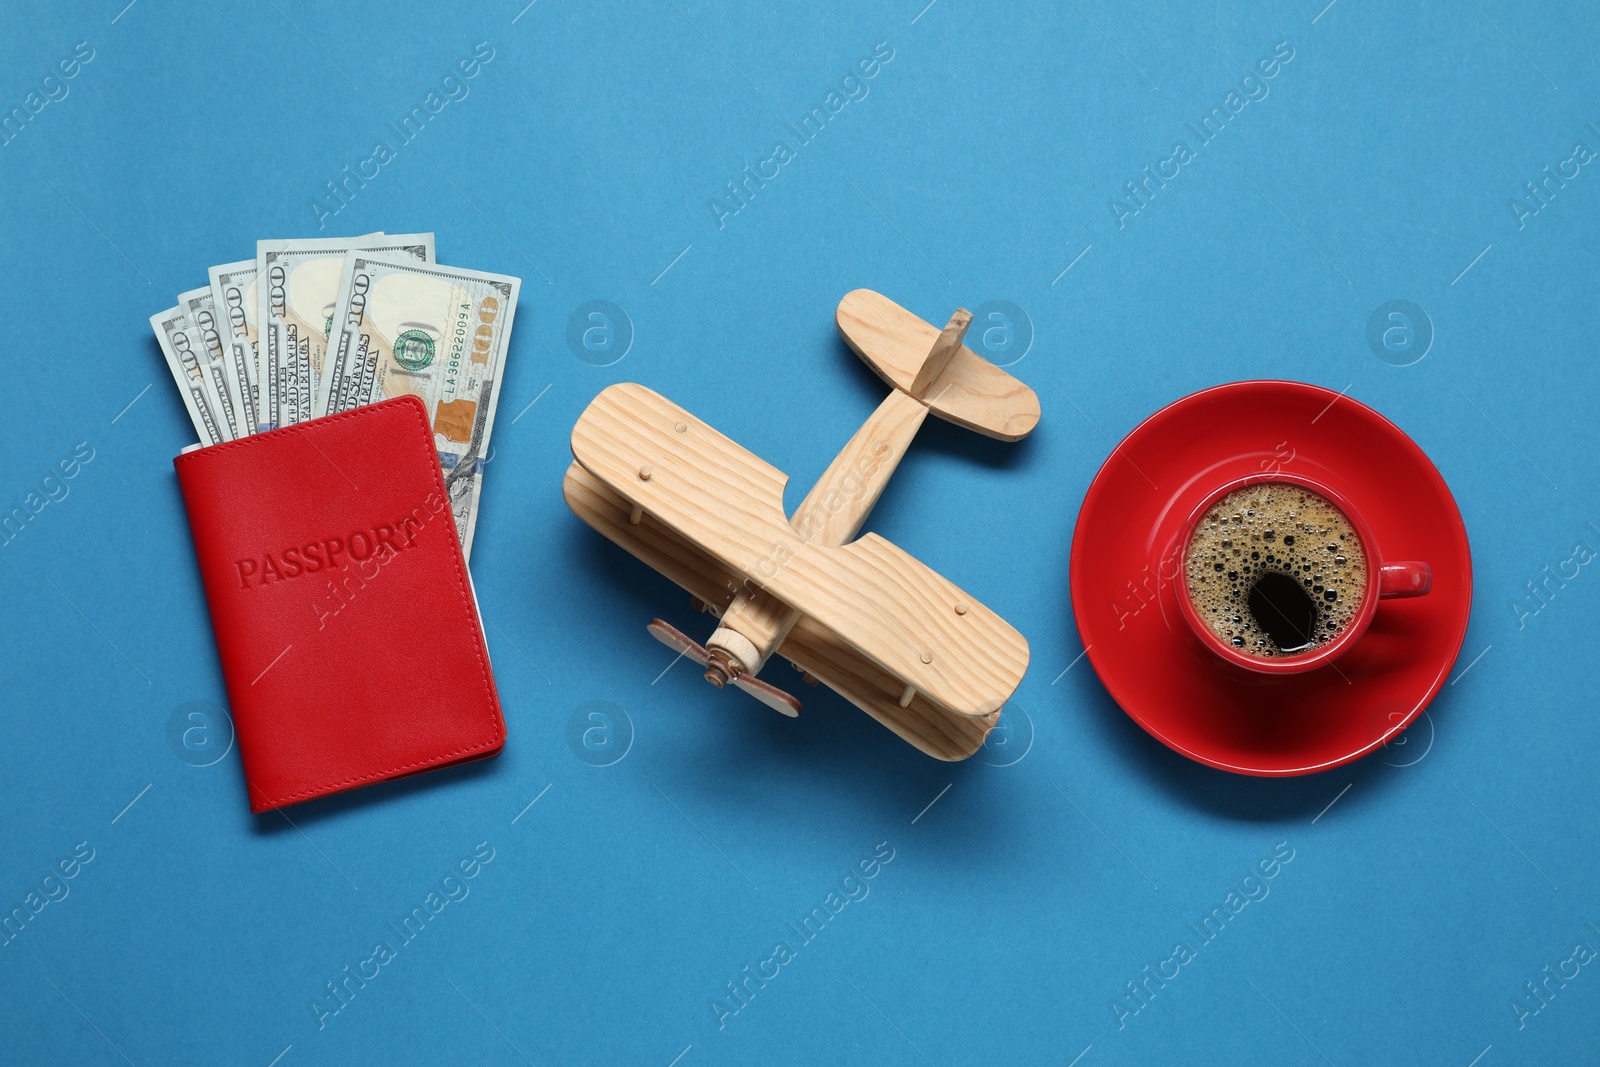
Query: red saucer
1124, 558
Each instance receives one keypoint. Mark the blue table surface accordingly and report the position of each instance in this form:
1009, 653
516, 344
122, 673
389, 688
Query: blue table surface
651, 842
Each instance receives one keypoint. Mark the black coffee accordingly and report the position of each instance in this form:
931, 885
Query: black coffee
1276, 570
1281, 607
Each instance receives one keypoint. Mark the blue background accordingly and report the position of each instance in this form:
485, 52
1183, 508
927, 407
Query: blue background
1449, 869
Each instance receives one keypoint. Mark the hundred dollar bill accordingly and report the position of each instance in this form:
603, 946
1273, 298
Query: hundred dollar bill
197, 305
440, 333
297, 286
233, 296
181, 348
266, 367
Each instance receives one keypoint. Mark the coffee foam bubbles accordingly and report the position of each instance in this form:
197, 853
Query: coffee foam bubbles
1274, 527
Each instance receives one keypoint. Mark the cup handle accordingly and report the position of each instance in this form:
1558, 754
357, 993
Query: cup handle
1399, 580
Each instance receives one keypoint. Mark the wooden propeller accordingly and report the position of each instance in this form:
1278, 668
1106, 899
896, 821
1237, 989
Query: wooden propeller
720, 670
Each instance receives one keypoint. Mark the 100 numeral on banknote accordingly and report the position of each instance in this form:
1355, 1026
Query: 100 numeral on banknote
298, 288
439, 333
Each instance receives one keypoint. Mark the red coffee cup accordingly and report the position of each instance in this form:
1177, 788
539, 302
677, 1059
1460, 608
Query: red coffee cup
1384, 581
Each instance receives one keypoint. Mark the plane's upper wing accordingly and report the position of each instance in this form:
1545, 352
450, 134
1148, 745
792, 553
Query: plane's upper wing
881, 601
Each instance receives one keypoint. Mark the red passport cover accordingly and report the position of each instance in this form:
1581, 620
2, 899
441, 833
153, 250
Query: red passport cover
349, 637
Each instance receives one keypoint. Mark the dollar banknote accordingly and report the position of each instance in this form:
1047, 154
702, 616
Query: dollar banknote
218, 368
266, 365
297, 286
181, 348
233, 296
439, 333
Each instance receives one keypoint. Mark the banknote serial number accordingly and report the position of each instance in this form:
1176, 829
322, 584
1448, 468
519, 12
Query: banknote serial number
482, 337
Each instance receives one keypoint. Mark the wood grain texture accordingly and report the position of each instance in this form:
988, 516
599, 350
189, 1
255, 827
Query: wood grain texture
971, 392
944, 349
809, 647
878, 598
832, 513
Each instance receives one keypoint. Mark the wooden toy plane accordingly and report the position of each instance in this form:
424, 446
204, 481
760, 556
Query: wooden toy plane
882, 629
